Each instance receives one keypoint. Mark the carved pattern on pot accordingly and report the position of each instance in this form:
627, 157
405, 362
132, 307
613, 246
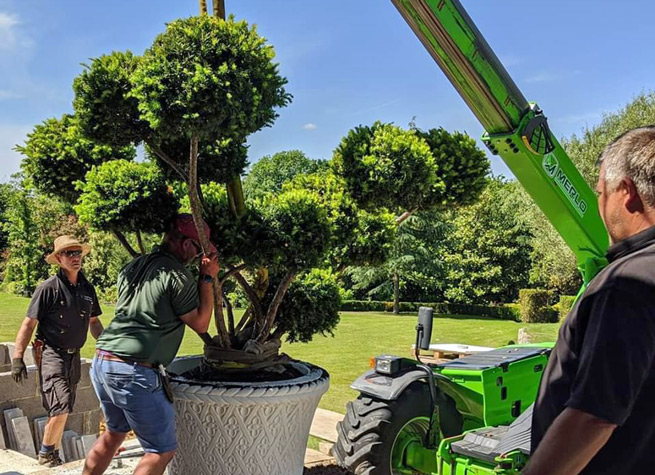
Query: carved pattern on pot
243, 430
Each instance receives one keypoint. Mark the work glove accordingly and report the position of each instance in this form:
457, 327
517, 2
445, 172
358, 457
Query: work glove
18, 370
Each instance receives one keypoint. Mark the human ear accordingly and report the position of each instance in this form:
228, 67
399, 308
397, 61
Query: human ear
632, 200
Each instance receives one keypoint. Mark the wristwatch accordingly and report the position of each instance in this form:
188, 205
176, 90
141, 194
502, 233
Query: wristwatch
206, 278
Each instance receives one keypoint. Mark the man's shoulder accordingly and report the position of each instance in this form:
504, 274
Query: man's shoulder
637, 269
49, 284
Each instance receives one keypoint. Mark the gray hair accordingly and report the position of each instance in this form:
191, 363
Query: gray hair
632, 155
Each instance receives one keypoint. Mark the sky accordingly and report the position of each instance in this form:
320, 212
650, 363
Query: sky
348, 62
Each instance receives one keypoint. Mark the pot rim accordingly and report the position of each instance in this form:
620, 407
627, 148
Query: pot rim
312, 374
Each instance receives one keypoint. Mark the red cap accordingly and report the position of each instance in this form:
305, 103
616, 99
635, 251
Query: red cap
184, 224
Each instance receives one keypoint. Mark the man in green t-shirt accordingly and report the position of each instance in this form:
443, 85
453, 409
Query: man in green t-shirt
157, 297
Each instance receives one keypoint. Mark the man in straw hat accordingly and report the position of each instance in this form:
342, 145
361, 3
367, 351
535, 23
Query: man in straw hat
65, 307
157, 298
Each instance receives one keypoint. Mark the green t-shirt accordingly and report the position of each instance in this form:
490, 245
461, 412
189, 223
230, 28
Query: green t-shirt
153, 292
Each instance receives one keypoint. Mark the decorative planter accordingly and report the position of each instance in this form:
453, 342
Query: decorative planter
243, 428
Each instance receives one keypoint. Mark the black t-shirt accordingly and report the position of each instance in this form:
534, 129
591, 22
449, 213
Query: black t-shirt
602, 363
63, 310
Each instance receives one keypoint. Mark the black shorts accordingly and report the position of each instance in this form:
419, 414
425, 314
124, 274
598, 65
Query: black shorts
60, 372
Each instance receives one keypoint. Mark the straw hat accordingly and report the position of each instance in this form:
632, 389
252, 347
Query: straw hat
66, 242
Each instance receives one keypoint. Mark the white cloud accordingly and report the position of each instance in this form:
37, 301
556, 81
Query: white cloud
5, 94
8, 23
309, 126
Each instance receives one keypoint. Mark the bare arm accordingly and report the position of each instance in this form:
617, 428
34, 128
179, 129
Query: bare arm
570, 443
24, 336
199, 318
95, 326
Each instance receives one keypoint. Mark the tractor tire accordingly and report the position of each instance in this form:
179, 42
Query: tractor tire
371, 427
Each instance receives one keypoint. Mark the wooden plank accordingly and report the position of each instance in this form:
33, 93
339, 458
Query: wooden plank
324, 425
314, 458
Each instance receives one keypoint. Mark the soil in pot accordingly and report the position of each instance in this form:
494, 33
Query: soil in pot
206, 373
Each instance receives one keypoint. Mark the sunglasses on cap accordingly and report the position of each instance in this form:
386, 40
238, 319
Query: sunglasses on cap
72, 253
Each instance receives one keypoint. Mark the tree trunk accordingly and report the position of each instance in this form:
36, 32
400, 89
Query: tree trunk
139, 241
203, 7
123, 240
219, 9
396, 294
204, 242
275, 304
404, 216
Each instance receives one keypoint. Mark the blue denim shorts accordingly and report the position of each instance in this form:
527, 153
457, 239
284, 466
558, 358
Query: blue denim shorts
132, 397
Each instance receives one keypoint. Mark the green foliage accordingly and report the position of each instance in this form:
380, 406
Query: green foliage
126, 197
272, 171
358, 237
248, 238
56, 156
103, 263
565, 304
103, 104
585, 149
502, 312
535, 306
489, 248
301, 227
208, 77
461, 166
384, 165
218, 161
311, 306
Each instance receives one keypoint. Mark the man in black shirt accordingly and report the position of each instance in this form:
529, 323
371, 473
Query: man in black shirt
594, 412
65, 306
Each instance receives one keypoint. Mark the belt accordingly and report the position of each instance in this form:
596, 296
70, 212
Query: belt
70, 351
112, 357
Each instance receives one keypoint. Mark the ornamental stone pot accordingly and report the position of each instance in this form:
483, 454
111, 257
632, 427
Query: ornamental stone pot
243, 428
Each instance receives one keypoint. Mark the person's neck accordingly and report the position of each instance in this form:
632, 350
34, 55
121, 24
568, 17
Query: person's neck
642, 223
170, 248
71, 275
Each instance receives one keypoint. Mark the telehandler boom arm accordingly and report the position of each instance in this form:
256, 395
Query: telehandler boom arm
515, 129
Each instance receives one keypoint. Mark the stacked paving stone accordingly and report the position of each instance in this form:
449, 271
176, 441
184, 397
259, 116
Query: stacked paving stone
75, 446
24, 401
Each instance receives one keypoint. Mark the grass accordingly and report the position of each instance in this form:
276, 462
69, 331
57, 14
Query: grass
358, 337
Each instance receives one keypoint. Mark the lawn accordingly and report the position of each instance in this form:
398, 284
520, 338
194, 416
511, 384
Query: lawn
345, 356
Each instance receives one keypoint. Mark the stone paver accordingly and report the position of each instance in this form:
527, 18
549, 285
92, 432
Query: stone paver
39, 429
87, 443
9, 415
24, 442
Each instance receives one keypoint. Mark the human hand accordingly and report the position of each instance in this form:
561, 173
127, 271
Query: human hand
18, 370
209, 264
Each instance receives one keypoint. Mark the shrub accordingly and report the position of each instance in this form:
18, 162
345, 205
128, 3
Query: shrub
503, 312
565, 304
534, 306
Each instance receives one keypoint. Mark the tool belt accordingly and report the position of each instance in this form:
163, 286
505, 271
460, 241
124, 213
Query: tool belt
37, 352
166, 383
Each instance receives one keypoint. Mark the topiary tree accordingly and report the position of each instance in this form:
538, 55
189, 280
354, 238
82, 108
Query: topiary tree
126, 197
57, 155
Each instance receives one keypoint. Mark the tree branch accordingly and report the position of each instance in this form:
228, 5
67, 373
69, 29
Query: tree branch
244, 319
219, 8
230, 315
123, 240
139, 241
252, 296
204, 242
275, 304
168, 160
232, 271
203, 7
404, 216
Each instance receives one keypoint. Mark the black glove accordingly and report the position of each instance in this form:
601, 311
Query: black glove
18, 370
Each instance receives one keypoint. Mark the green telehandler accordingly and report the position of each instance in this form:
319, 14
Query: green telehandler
472, 415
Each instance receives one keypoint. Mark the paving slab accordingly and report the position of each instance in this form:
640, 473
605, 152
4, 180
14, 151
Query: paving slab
68, 446
324, 424
9, 415
3, 443
79, 449
24, 442
39, 429
87, 443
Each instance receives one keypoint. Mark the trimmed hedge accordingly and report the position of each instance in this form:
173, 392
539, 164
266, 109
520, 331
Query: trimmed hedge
565, 304
504, 312
535, 306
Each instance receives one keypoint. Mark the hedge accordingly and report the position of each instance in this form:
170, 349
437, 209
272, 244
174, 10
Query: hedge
564, 306
535, 306
504, 312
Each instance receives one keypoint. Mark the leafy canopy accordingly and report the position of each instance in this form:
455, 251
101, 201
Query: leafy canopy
57, 155
126, 197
